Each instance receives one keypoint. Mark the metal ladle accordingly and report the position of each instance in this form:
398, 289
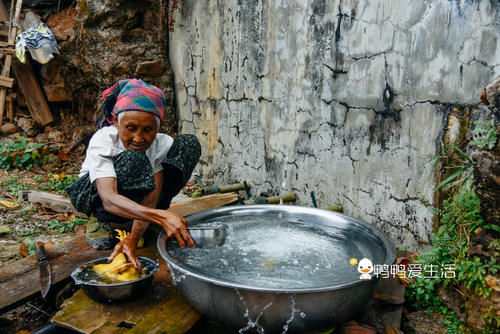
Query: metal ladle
208, 236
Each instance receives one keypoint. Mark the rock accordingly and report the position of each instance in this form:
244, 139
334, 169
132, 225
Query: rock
8, 128
28, 126
62, 24
41, 138
56, 136
477, 310
152, 68
493, 93
424, 323
122, 68
487, 180
390, 290
57, 93
453, 300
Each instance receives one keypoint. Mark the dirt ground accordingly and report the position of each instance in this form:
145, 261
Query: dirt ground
29, 222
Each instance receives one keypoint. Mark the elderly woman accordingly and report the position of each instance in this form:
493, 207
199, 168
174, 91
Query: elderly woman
131, 172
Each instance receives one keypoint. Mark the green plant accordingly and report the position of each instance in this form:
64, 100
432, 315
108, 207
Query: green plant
29, 209
20, 153
30, 245
13, 186
458, 219
37, 178
460, 172
59, 182
473, 272
66, 226
484, 134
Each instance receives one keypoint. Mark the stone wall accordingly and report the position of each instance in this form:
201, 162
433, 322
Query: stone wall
343, 98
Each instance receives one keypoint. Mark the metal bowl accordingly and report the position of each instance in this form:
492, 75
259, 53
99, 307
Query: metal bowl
111, 292
278, 309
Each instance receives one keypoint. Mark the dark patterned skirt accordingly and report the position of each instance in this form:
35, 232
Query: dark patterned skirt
135, 178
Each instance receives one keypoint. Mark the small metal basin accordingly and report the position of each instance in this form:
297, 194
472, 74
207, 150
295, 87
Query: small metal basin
280, 269
112, 292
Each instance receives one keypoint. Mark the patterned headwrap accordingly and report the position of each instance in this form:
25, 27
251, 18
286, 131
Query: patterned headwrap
130, 95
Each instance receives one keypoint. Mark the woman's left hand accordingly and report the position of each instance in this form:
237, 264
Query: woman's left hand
128, 247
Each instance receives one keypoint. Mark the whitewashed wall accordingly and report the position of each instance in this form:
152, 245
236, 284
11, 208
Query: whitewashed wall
337, 97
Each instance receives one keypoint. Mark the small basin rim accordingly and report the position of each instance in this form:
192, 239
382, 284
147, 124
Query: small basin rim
161, 245
142, 259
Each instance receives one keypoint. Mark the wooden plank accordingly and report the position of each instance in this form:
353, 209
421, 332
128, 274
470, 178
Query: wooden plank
58, 203
28, 84
4, 16
10, 105
6, 82
21, 280
164, 310
8, 51
203, 203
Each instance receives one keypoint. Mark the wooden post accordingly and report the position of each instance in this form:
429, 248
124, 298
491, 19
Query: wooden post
8, 58
37, 105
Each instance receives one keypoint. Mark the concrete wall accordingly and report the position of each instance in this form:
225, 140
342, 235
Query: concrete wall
343, 98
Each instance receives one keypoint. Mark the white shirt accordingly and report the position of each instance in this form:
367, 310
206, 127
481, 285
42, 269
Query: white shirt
105, 144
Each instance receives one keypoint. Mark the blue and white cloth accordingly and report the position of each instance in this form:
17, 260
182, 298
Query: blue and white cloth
35, 37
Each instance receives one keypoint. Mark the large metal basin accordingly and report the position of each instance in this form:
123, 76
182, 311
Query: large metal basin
257, 307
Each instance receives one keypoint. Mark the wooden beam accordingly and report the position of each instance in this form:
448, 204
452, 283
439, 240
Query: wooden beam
4, 16
203, 203
60, 203
21, 280
28, 84
6, 82
9, 102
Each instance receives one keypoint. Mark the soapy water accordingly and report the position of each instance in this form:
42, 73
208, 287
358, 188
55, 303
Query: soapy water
276, 254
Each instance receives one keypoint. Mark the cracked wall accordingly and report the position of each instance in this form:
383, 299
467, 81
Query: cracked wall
337, 97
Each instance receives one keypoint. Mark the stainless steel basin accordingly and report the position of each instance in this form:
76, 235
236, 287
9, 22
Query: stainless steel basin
269, 305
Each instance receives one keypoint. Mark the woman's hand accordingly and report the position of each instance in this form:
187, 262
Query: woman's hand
176, 226
128, 247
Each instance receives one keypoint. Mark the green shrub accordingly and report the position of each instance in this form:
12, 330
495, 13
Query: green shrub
20, 153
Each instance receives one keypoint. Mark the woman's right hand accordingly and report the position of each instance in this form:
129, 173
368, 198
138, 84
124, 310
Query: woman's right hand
176, 226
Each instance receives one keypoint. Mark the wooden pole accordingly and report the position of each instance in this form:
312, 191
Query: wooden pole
8, 58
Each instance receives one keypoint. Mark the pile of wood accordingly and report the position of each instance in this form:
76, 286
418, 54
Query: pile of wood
23, 89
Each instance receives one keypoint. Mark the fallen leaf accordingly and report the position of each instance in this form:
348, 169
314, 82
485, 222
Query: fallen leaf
4, 229
9, 204
58, 177
80, 229
23, 250
65, 217
63, 156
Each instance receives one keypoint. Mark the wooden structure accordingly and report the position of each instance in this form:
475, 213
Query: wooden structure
26, 79
163, 310
20, 280
7, 48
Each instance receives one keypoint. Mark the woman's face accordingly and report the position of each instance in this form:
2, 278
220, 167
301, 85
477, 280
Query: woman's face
137, 130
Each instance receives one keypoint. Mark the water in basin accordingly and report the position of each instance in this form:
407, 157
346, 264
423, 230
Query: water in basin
263, 253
